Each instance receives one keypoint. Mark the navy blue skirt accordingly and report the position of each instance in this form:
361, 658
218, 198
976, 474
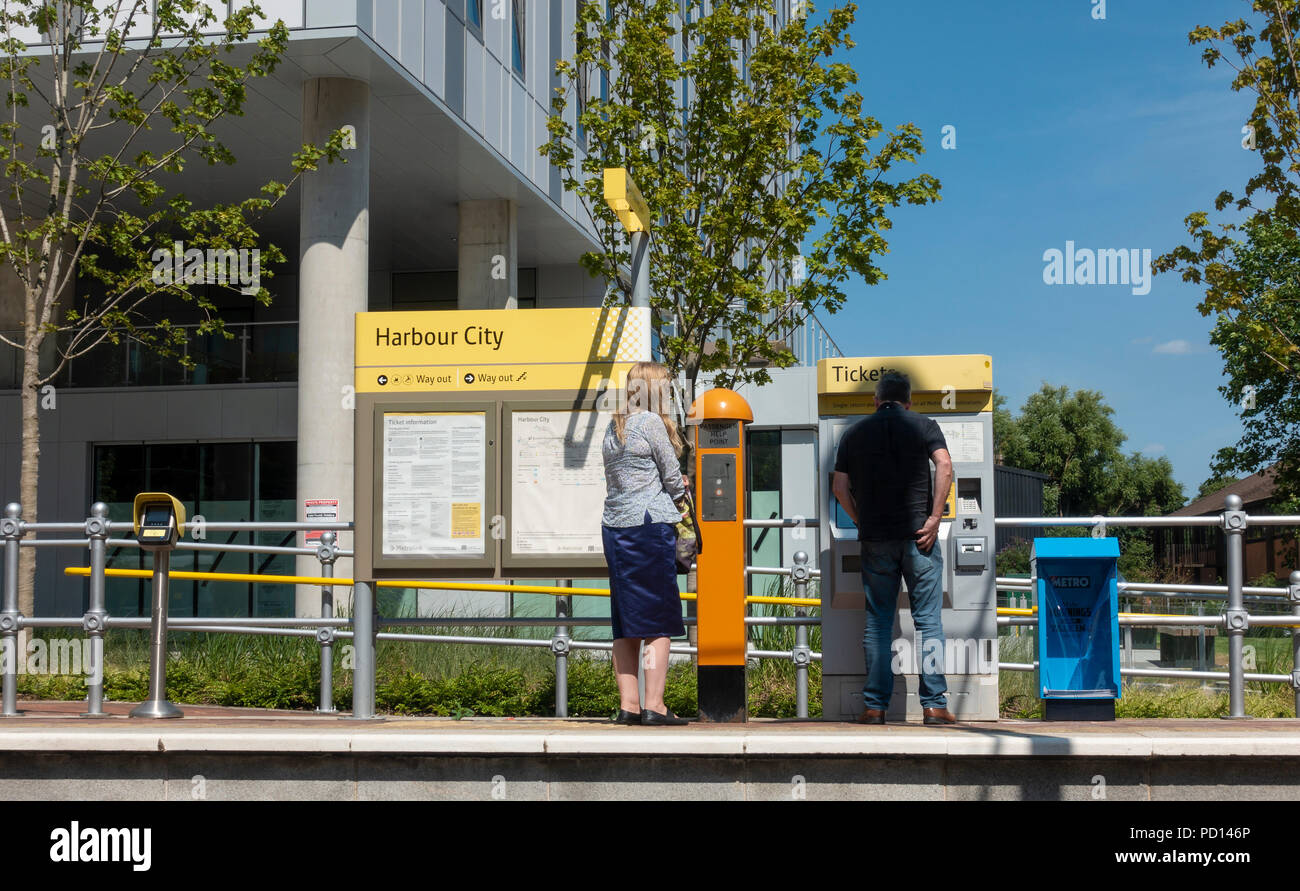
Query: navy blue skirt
642, 560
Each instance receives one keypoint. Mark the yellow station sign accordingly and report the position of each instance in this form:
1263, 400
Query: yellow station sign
471, 351
939, 383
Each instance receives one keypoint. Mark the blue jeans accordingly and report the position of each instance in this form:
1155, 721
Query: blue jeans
883, 562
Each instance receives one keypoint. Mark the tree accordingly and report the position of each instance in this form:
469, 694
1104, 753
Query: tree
770, 155
1072, 439
1143, 487
1216, 483
1256, 337
1004, 430
1254, 301
100, 123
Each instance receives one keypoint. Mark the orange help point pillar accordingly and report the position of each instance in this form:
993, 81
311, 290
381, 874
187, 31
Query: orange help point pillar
720, 606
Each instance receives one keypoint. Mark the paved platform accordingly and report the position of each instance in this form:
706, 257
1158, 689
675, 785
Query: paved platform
51, 752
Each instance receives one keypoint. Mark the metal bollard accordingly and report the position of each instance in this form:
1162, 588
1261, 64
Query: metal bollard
1293, 593
1200, 642
801, 654
1236, 620
560, 647
363, 642
1128, 645
157, 706
327, 553
94, 621
11, 528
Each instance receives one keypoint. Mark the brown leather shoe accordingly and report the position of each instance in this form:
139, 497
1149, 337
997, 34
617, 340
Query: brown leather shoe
938, 716
872, 716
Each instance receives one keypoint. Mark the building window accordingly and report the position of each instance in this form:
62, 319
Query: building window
474, 17
763, 463
222, 482
517, 39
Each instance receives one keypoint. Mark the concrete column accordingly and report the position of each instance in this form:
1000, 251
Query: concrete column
334, 261
489, 256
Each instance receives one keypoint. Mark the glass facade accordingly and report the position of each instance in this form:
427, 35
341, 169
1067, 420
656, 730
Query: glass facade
517, 38
220, 482
763, 468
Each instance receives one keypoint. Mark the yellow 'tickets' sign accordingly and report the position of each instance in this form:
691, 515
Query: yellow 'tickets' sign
939, 383
503, 349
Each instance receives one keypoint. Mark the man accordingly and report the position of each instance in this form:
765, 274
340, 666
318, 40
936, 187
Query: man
882, 480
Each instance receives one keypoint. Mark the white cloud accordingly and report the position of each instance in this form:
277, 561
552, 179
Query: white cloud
1146, 339
1153, 448
1173, 348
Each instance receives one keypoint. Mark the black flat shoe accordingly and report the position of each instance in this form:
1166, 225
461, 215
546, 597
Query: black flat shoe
628, 717
668, 719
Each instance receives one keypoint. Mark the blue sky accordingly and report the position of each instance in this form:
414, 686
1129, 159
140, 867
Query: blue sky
1106, 133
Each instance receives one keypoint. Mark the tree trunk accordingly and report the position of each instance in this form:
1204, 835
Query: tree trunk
30, 473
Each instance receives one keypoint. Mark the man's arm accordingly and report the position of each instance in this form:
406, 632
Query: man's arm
840, 486
926, 535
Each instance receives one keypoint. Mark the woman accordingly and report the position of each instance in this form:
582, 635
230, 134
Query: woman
643, 479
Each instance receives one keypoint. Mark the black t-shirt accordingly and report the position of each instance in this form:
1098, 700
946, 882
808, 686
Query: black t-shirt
887, 458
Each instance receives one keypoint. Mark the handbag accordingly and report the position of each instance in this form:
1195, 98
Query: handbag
689, 543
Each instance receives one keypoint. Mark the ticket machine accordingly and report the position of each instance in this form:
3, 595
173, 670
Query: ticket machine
957, 391
159, 521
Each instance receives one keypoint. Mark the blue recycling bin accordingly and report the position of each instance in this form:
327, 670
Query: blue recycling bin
1076, 581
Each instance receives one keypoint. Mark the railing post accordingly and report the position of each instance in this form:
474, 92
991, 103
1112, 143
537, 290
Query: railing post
1235, 617
1293, 592
560, 647
1128, 645
94, 620
11, 528
327, 553
157, 706
363, 643
801, 654
1200, 642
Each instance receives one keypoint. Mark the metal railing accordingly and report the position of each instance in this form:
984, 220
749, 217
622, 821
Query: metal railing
96, 531
811, 342
361, 628
1235, 619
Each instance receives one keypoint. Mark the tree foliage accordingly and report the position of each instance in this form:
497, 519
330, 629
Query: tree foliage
1254, 302
113, 101
1257, 338
750, 146
1072, 438
1216, 483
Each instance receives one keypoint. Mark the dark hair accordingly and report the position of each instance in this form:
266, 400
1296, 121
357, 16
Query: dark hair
894, 386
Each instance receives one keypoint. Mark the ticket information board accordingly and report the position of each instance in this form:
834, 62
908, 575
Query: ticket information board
557, 481
433, 483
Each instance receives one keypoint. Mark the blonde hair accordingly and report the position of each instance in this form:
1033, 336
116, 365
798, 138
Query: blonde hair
648, 388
